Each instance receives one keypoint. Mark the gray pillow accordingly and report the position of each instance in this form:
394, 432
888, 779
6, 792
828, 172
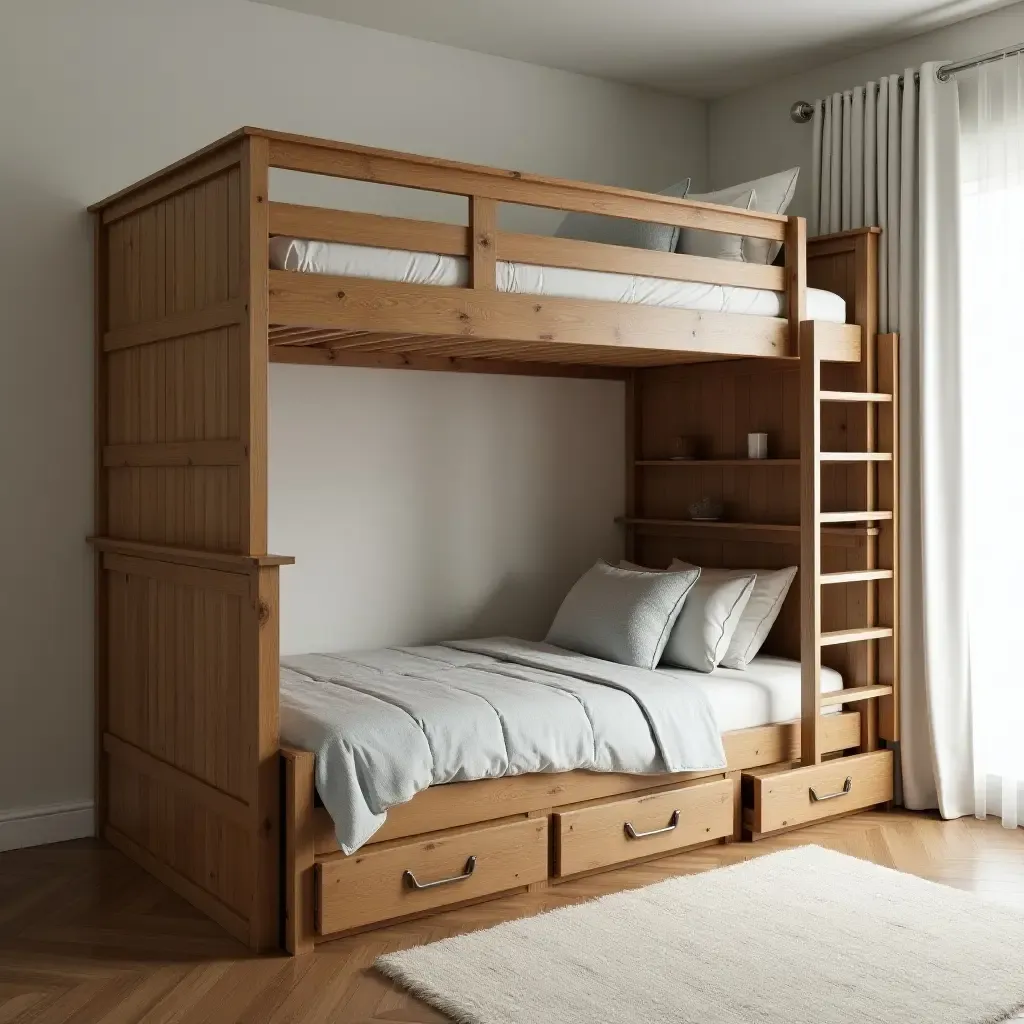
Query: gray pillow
621, 615
638, 234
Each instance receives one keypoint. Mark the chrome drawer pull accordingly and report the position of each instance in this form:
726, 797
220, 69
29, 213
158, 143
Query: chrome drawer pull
633, 834
847, 786
410, 879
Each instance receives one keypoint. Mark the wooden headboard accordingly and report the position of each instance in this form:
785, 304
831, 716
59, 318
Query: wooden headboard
717, 404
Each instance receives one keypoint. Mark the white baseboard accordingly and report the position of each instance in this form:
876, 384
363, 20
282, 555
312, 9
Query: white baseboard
55, 823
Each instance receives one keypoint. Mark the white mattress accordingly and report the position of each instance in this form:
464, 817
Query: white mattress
767, 691
526, 279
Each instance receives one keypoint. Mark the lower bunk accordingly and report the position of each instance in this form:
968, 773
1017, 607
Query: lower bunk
462, 842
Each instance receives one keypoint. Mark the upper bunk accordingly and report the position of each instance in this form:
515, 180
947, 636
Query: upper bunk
352, 288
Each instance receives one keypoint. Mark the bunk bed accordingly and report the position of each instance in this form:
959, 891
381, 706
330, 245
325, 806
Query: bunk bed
202, 281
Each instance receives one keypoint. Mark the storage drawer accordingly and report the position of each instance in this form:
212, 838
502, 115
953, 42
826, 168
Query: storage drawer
601, 834
391, 880
798, 795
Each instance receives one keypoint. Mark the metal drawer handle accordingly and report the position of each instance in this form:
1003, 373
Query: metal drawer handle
847, 786
410, 879
633, 834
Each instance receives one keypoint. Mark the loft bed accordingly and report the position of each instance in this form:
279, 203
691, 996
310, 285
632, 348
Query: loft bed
201, 282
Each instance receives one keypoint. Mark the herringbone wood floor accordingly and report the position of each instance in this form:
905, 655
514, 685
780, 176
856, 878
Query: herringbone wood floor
87, 936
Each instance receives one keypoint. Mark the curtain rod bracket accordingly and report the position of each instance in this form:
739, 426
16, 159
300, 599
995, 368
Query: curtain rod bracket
801, 112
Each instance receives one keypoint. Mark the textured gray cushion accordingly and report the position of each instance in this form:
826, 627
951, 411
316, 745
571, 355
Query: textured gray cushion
704, 631
621, 615
760, 613
638, 234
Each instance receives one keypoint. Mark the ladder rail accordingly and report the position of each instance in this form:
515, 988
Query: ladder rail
873, 489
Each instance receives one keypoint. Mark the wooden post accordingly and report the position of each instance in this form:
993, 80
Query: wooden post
810, 548
889, 537
483, 227
796, 279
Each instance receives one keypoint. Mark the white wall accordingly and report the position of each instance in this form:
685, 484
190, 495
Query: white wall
418, 504
751, 132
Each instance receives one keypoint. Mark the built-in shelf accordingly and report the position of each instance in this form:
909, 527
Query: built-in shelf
695, 463
777, 533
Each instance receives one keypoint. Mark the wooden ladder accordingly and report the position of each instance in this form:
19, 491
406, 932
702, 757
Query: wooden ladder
872, 428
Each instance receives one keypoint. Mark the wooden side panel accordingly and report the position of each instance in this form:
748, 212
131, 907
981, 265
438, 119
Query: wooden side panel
168, 262
187, 682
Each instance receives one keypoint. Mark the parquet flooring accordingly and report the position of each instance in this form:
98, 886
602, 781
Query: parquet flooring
86, 936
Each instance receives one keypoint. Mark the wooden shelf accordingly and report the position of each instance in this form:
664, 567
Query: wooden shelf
779, 533
694, 463
852, 636
854, 396
854, 693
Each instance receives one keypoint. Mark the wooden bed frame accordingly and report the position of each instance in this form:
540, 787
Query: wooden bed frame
192, 782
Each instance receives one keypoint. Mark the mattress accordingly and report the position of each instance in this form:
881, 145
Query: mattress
528, 279
766, 692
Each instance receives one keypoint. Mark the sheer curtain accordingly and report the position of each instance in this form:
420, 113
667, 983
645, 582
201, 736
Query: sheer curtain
992, 269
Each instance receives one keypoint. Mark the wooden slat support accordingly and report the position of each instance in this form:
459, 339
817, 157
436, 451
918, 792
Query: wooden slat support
483, 230
324, 225
856, 576
853, 694
855, 635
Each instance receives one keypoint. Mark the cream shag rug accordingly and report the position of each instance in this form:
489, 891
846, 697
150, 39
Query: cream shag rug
806, 936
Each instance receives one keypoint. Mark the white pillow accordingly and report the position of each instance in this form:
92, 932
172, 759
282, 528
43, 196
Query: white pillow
774, 193
760, 613
712, 244
705, 626
621, 615
590, 227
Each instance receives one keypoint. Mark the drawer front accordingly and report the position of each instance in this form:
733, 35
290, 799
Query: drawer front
806, 794
379, 883
622, 830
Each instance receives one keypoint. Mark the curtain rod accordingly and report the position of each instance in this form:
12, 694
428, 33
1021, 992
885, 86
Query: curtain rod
801, 112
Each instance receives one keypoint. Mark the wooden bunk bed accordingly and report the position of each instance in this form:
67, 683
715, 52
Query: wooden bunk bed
192, 782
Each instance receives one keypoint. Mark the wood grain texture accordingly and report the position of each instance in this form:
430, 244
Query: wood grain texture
554, 324
594, 836
795, 797
372, 886
344, 160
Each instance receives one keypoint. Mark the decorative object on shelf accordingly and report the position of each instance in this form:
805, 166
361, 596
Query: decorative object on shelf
684, 447
707, 510
757, 446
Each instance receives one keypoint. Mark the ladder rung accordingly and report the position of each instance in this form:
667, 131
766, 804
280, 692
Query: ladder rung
852, 636
854, 517
854, 693
855, 396
855, 456
857, 576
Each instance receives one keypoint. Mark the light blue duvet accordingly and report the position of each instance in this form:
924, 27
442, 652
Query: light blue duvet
388, 723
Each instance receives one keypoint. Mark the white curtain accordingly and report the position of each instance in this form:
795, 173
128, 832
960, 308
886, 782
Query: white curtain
992, 171
888, 153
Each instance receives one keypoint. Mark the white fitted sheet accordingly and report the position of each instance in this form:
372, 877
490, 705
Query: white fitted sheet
767, 691
527, 279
